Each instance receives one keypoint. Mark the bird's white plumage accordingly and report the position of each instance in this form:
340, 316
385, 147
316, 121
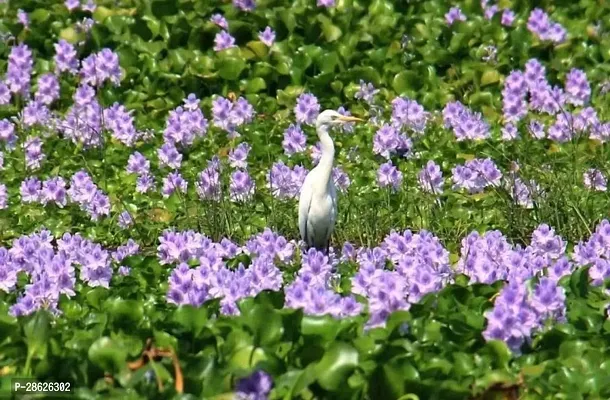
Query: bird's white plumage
318, 199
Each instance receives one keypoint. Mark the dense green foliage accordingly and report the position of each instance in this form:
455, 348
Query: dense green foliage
433, 351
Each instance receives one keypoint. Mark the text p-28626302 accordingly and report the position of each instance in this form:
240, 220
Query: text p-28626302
31, 386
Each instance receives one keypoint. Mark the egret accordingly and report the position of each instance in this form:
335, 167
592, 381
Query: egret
318, 200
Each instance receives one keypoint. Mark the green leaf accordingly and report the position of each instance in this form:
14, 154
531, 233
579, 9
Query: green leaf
192, 319
107, 355
230, 68
336, 365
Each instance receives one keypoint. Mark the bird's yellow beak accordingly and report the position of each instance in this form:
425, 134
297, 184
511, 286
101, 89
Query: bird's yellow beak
346, 118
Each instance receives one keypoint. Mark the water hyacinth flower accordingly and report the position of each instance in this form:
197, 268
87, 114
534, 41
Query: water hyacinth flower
85, 25
523, 192
3, 198
465, 124
5, 94
239, 155
30, 190
125, 220
229, 115
185, 124
256, 386
169, 156
409, 114
294, 140
430, 178
137, 164
366, 92
72, 5
325, 3
389, 176
101, 67
35, 113
267, 36
509, 132
223, 40
208, 183
508, 17
173, 182
48, 89
284, 182
23, 18
89, 6
241, 186
244, 5
19, 71
594, 179
475, 175
388, 141
7, 133
54, 191
33, 153
307, 109
519, 312
340, 179
454, 14
219, 20
119, 121
577, 87
544, 28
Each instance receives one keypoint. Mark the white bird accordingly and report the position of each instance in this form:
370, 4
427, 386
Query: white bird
318, 200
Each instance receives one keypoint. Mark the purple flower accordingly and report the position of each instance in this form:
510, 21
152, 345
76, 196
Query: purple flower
23, 19
544, 28
7, 133
54, 190
407, 113
208, 183
366, 92
389, 175
99, 67
294, 140
325, 3
35, 113
594, 179
219, 20
20, 64
5, 94
239, 155
267, 36
307, 109
284, 182
183, 125
454, 14
577, 88
89, 6
430, 178
508, 17
72, 5
48, 89
466, 124
66, 58
341, 179
125, 220
144, 183
536, 129
241, 186
3, 205
30, 190
169, 156
173, 182
509, 132
256, 386
244, 5
223, 41
229, 116
475, 175
33, 153
138, 164
387, 141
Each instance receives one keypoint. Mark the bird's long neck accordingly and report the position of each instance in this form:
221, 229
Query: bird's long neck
328, 155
